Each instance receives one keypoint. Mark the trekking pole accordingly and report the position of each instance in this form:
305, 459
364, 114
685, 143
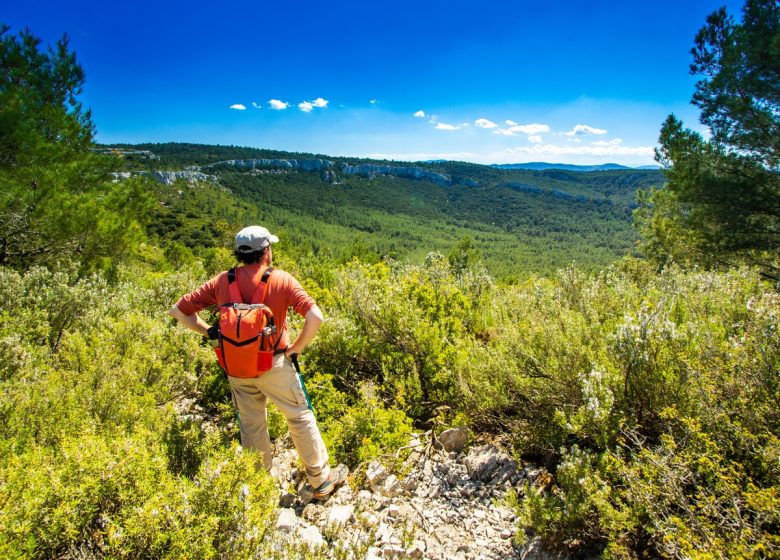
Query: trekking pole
294, 358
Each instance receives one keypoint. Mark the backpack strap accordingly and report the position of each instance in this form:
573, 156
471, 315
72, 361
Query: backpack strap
262, 287
264, 284
259, 294
233, 291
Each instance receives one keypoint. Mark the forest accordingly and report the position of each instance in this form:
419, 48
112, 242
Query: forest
617, 329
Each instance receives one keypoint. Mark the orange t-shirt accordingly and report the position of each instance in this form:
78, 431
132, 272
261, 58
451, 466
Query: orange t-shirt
283, 291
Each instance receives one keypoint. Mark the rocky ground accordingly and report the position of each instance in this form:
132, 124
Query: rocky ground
447, 503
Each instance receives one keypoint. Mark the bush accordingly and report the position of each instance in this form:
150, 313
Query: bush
114, 496
366, 430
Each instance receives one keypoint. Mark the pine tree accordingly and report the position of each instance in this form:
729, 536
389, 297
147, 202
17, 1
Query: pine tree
721, 204
57, 199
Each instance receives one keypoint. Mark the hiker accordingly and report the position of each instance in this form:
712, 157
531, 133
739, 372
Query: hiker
281, 383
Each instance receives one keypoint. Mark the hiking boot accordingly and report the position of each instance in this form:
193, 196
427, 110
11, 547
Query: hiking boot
335, 479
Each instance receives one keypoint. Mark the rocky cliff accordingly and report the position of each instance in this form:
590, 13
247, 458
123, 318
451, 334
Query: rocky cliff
328, 170
191, 176
368, 170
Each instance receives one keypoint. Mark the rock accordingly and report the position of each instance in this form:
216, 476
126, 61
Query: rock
483, 461
375, 475
417, 550
311, 536
450, 513
533, 550
391, 487
384, 533
287, 520
313, 512
340, 515
286, 500
371, 170
393, 551
369, 519
410, 484
170, 177
392, 511
454, 439
343, 495
364, 496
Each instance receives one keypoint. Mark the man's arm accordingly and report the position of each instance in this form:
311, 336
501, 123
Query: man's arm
194, 322
311, 324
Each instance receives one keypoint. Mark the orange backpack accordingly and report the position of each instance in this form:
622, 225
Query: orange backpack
246, 331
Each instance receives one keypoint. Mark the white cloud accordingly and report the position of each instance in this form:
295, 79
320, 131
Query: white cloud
510, 123
420, 114
442, 126
570, 153
530, 129
238, 107
278, 105
374, 101
256, 106
614, 142
308, 106
585, 129
536, 139
434, 119
484, 123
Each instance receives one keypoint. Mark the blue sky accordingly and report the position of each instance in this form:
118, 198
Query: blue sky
488, 82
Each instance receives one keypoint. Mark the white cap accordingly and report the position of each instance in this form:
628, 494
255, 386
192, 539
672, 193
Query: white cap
254, 238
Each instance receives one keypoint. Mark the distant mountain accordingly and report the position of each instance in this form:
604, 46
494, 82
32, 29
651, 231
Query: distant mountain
651, 167
520, 220
541, 165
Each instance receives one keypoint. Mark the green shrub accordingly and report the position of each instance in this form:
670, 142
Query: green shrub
366, 430
114, 496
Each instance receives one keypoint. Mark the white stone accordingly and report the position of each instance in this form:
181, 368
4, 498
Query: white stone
375, 475
391, 487
340, 515
417, 550
373, 553
392, 511
454, 439
287, 520
364, 496
393, 551
311, 536
505, 533
384, 533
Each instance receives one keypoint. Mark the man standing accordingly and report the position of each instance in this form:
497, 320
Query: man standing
281, 383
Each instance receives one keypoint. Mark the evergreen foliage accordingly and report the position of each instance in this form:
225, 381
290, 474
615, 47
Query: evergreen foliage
57, 199
721, 204
519, 221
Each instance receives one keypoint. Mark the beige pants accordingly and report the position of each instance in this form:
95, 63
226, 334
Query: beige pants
281, 385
